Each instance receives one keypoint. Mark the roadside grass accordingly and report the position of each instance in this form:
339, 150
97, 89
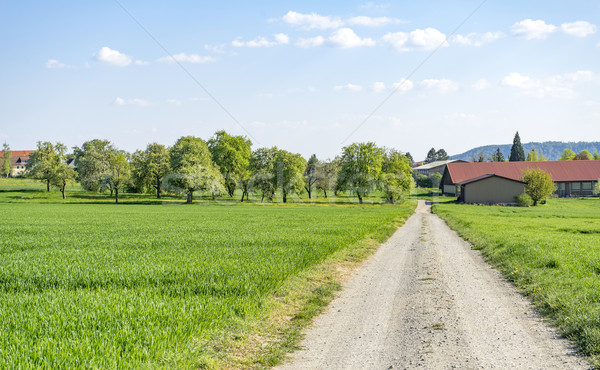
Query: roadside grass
206, 285
551, 253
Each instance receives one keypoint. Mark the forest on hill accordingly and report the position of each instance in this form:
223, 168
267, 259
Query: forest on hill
551, 149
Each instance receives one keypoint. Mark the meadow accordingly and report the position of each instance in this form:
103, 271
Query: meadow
552, 254
160, 284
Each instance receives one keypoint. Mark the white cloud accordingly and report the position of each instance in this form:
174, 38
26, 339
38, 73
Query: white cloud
519, 81
141, 63
403, 85
558, 86
460, 116
598, 45
530, 29
261, 42
348, 87
477, 39
310, 42
578, 29
189, 58
378, 87
372, 21
426, 39
442, 86
112, 57
135, 101
312, 21
174, 101
53, 63
346, 38
481, 84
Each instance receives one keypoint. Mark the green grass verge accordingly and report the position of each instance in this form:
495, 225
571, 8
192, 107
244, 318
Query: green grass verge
550, 252
139, 285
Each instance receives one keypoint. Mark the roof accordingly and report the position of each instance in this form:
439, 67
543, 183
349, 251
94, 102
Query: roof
559, 170
487, 176
436, 164
18, 153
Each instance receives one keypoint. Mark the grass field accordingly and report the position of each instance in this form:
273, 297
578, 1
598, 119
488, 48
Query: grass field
167, 284
551, 252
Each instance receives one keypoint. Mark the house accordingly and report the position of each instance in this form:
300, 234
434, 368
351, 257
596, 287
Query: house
435, 167
572, 178
18, 161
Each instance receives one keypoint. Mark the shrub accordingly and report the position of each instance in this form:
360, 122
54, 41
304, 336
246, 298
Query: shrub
538, 184
523, 200
597, 188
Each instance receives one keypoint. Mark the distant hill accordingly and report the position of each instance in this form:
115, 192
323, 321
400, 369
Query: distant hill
551, 149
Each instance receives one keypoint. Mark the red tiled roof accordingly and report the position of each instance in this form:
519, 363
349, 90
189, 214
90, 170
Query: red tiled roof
18, 153
559, 170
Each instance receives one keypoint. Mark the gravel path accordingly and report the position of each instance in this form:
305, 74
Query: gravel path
426, 300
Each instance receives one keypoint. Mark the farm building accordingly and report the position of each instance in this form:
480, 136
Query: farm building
477, 190
18, 161
572, 178
435, 167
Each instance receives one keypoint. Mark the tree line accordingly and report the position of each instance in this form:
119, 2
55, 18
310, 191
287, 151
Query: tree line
221, 165
518, 154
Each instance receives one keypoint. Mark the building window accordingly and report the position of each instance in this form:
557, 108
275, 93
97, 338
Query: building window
575, 186
561, 186
586, 186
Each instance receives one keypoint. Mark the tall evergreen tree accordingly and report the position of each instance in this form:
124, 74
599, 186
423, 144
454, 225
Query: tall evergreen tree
516, 151
498, 156
431, 156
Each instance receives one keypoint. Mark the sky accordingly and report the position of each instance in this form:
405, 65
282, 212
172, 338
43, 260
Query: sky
308, 77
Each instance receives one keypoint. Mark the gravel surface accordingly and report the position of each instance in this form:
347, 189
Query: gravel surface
426, 300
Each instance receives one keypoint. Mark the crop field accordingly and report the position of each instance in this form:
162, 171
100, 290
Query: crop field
138, 285
551, 252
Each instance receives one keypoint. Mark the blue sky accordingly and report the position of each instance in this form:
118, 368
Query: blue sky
300, 75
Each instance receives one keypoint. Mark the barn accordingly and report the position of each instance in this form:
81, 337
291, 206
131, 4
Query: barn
572, 178
478, 190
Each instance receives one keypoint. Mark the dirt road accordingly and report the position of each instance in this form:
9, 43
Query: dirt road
426, 300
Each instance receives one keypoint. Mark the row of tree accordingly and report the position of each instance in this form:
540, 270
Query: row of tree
518, 154
222, 165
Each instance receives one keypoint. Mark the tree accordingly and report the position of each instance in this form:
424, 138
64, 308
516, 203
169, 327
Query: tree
327, 175
431, 155
596, 156
42, 161
62, 176
360, 167
91, 162
396, 179
118, 173
6, 154
192, 168
584, 155
287, 173
567, 155
532, 156
311, 174
232, 155
538, 184
479, 157
150, 167
498, 156
441, 155
261, 169
410, 158
516, 151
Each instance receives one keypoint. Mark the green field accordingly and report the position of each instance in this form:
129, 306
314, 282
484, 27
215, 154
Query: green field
552, 254
165, 284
